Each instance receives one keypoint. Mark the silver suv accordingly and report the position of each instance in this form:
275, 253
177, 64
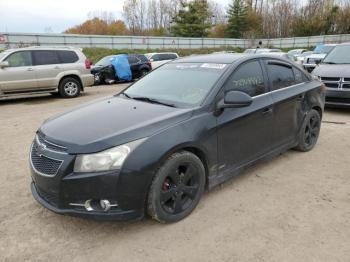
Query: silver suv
36, 70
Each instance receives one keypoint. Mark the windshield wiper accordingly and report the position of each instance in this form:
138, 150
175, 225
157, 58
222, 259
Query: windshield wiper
126, 95
329, 63
151, 100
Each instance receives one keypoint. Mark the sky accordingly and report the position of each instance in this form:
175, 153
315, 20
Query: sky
39, 16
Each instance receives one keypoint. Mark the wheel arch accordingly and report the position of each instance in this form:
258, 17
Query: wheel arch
76, 77
194, 149
318, 109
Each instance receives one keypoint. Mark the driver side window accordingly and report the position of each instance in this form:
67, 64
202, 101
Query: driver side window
19, 59
248, 78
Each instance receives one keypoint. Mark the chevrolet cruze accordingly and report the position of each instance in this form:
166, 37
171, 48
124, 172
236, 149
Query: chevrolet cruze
189, 125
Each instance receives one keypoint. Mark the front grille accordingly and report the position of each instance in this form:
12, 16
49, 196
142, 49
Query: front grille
347, 86
48, 197
44, 165
331, 85
50, 145
346, 79
335, 79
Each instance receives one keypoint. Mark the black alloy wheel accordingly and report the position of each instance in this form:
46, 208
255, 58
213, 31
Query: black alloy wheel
176, 188
310, 131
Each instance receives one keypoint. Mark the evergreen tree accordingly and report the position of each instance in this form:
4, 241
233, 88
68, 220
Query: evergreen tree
237, 19
193, 20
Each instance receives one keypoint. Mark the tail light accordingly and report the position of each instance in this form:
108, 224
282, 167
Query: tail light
88, 63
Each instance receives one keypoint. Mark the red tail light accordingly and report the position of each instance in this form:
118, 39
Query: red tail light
88, 63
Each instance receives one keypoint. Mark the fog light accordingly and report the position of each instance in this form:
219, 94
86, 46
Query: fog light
105, 204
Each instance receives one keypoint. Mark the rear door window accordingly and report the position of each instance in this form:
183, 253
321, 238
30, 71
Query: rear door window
281, 75
18, 59
67, 57
45, 57
248, 78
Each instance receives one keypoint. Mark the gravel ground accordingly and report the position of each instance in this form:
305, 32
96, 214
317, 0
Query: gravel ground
295, 207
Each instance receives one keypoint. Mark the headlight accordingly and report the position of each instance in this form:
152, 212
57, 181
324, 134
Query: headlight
110, 159
316, 77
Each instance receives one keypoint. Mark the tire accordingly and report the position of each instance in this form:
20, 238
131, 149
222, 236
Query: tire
176, 188
69, 87
309, 132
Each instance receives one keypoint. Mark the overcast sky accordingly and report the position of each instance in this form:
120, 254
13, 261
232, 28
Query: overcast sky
36, 16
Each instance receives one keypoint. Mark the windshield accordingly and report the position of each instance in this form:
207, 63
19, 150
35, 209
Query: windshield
105, 61
339, 55
180, 84
325, 49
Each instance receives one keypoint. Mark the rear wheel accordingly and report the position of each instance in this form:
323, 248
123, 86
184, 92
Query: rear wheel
69, 87
176, 188
310, 131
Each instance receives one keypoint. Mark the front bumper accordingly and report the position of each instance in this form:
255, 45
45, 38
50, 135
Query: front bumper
115, 215
338, 98
65, 192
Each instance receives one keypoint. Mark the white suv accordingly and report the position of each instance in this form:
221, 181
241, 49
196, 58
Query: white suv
158, 59
36, 70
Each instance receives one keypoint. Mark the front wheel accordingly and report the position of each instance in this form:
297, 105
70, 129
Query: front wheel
176, 188
69, 87
310, 131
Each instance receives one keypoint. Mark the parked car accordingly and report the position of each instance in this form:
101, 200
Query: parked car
158, 59
36, 70
319, 53
104, 71
187, 126
297, 52
301, 57
334, 72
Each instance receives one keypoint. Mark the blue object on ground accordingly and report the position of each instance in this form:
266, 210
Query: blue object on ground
122, 67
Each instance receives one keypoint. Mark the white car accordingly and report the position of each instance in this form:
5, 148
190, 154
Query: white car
320, 52
158, 59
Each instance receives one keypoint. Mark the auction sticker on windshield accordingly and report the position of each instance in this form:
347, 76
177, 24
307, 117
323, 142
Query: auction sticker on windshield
213, 66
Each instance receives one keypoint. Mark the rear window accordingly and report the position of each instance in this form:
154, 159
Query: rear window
45, 57
67, 57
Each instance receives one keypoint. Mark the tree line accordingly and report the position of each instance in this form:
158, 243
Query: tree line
206, 18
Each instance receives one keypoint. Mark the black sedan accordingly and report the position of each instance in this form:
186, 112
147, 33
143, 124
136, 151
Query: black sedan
186, 127
104, 72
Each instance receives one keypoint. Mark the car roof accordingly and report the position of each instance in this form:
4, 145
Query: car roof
225, 58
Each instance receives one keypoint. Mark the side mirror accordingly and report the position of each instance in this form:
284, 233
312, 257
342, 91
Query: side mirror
4, 64
235, 99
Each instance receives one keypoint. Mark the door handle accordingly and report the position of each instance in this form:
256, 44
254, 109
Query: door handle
30, 69
266, 110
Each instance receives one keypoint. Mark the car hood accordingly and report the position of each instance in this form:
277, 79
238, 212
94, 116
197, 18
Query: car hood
326, 70
109, 122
